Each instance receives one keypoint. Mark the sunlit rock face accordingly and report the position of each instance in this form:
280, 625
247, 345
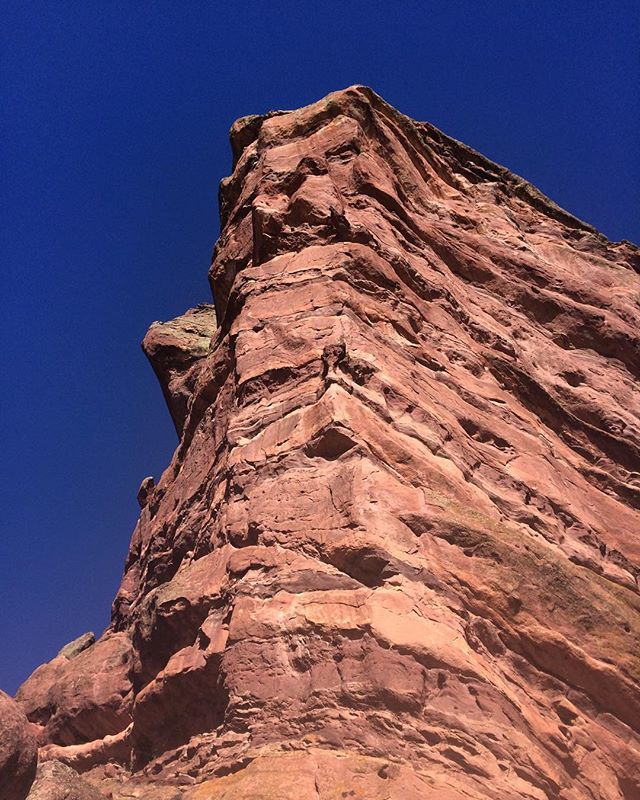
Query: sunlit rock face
396, 552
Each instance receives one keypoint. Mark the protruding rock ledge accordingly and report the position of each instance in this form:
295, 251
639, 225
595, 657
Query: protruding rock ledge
78, 645
174, 349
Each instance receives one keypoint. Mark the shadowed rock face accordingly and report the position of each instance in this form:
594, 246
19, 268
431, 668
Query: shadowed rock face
396, 552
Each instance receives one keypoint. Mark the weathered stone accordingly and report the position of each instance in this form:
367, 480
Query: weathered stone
83, 698
175, 349
57, 781
145, 492
76, 647
18, 751
396, 551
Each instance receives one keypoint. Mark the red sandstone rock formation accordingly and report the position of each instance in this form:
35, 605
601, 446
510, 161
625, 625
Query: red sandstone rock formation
396, 552
18, 751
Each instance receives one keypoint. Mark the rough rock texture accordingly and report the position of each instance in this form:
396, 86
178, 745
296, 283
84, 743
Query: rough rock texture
175, 350
76, 647
396, 552
57, 781
82, 698
18, 751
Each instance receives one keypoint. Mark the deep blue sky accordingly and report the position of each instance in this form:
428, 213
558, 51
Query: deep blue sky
114, 140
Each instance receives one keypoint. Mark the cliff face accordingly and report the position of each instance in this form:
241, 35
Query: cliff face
396, 552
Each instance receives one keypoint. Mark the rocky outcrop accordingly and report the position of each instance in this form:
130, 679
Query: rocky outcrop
83, 697
174, 349
396, 552
76, 647
18, 751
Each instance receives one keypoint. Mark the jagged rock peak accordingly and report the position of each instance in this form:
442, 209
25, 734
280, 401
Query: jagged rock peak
396, 553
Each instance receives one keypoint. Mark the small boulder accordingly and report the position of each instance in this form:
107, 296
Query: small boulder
57, 781
77, 646
145, 491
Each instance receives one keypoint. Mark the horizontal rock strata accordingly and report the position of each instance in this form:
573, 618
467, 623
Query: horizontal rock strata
396, 552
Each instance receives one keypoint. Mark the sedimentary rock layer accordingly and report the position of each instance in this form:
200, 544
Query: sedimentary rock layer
396, 552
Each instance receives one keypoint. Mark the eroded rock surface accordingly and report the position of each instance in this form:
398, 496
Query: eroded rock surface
18, 751
396, 552
57, 781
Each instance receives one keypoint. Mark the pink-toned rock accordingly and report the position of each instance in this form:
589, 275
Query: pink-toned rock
325, 775
396, 552
18, 751
84, 697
